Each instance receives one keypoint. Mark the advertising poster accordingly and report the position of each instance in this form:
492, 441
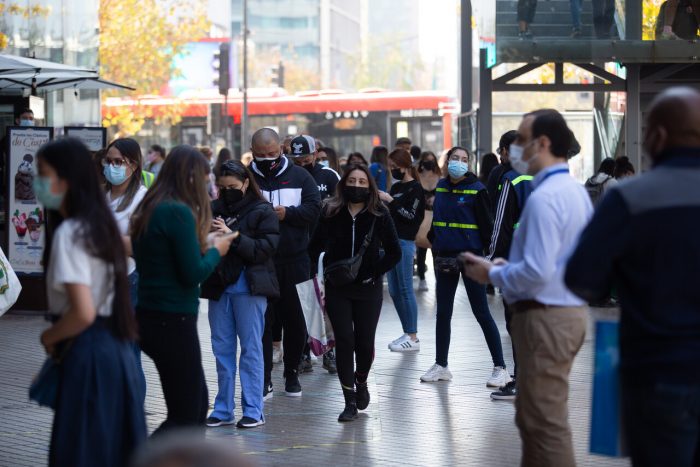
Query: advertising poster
25, 227
95, 138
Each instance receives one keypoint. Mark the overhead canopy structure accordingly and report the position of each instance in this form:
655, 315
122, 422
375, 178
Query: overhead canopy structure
18, 74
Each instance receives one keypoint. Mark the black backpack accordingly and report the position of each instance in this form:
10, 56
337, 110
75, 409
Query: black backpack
595, 189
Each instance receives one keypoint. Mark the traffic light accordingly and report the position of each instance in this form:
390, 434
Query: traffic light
220, 64
277, 75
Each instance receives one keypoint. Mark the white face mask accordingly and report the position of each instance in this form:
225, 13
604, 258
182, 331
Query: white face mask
516, 159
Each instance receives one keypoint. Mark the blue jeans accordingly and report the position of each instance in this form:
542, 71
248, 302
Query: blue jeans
662, 423
133, 288
445, 289
400, 280
576, 13
238, 314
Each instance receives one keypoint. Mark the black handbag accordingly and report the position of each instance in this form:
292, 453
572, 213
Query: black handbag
445, 265
262, 280
344, 271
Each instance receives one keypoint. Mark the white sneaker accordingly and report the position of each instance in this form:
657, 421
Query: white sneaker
277, 354
437, 373
408, 345
422, 286
499, 378
398, 340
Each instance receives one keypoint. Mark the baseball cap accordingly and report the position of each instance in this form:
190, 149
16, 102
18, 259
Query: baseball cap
302, 145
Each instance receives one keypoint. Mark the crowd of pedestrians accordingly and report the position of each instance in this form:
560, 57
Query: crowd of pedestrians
127, 265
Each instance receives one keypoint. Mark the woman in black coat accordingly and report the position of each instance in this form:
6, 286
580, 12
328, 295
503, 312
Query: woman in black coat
238, 292
354, 222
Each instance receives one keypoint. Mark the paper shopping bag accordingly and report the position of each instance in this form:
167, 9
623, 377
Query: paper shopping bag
9, 284
312, 305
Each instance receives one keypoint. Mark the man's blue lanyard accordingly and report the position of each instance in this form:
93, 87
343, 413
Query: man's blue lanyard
554, 172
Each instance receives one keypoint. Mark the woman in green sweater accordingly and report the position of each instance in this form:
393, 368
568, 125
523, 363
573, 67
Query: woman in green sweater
174, 253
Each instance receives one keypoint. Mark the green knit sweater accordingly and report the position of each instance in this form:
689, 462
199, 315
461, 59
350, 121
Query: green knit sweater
169, 261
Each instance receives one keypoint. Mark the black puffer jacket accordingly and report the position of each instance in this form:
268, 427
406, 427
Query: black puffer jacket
335, 235
253, 249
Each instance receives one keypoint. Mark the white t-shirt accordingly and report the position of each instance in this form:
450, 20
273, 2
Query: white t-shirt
72, 264
123, 217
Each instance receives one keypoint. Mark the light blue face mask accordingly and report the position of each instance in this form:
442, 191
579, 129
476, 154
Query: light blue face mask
115, 175
25, 122
323, 163
457, 169
42, 190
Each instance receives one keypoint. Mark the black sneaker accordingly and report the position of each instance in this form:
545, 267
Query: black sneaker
575, 33
329, 362
213, 421
247, 422
292, 388
267, 392
505, 393
362, 395
349, 414
305, 365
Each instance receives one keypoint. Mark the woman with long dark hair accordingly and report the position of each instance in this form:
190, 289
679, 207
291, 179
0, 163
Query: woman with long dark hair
407, 206
121, 167
429, 176
329, 158
224, 155
171, 244
355, 222
238, 292
379, 166
99, 417
462, 221
488, 163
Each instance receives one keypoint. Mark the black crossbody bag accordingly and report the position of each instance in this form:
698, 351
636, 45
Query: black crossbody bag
344, 271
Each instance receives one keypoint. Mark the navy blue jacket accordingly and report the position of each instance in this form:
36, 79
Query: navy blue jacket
462, 218
644, 239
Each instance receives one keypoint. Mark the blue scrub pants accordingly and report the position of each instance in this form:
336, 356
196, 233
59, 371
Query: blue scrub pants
238, 314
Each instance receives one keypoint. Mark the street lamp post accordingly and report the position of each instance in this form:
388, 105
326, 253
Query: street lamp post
244, 113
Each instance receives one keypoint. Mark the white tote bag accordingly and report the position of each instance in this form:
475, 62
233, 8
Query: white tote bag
311, 295
9, 285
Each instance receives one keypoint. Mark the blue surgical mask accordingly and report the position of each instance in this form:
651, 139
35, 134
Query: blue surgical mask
25, 122
115, 175
323, 163
42, 190
457, 169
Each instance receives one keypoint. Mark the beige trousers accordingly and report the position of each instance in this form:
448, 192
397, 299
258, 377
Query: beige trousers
546, 342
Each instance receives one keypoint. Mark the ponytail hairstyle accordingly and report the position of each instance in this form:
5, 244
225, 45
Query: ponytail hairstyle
404, 160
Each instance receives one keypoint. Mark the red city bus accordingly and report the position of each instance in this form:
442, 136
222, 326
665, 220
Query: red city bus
348, 122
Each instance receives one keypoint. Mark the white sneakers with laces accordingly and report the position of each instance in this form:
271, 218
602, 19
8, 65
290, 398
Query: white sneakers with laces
398, 340
436, 373
405, 344
499, 378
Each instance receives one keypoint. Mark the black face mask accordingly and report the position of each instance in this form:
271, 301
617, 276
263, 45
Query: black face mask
356, 194
428, 165
309, 167
396, 174
266, 165
231, 197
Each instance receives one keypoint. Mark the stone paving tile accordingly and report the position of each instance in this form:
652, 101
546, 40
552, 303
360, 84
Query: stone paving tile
407, 423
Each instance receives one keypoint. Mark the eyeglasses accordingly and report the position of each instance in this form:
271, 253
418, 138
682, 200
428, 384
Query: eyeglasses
114, 162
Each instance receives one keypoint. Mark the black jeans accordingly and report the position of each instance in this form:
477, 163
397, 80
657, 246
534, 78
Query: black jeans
526, 10
421, 253
508, 311
445, 289
288, 310
171, 341
662, 422
603, 17
354, 312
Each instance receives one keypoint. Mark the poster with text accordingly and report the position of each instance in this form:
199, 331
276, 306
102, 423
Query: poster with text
95, 138
26, 226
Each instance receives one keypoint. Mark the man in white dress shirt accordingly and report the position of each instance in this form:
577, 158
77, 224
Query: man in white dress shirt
549, 321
